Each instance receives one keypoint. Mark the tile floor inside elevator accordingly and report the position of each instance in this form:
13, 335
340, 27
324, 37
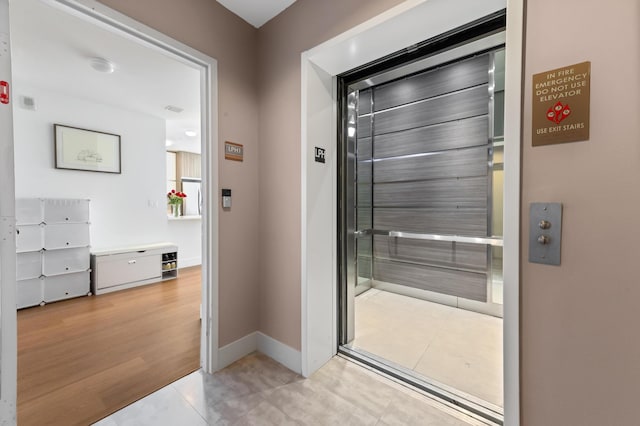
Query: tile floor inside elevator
454, 347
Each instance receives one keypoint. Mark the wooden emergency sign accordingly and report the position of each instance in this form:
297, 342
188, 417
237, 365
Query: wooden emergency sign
560, 109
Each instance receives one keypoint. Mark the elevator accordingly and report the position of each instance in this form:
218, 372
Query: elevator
421, 186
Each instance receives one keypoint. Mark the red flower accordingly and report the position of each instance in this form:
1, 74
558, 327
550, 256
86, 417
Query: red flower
175, 197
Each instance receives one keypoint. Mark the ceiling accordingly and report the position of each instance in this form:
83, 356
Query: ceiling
51, 50
256, 12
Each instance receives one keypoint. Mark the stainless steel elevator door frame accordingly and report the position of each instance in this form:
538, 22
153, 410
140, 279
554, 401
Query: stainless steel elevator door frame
356, 233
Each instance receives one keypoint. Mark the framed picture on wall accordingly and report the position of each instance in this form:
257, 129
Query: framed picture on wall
89, 150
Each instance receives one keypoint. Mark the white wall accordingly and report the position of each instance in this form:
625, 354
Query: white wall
187, 235
127, 208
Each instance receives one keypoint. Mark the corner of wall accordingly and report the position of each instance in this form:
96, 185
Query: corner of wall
258, 341
284, 354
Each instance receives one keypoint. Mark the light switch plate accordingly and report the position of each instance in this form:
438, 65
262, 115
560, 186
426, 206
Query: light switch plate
545, 233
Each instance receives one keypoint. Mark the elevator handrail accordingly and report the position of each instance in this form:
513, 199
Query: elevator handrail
492, 241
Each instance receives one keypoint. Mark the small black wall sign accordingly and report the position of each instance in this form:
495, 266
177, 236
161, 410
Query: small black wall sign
319, 155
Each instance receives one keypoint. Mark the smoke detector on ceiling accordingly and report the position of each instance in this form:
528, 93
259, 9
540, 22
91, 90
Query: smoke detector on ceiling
102, 65
173, 108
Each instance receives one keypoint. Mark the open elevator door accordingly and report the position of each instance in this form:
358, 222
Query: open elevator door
420, 141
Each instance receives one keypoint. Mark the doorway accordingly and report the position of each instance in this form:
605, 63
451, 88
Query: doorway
204, 69
421, 184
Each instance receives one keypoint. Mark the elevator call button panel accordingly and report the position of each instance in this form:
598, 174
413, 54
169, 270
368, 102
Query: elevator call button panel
545, 232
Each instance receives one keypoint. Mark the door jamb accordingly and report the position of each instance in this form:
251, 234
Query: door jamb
110, 19
8, 317
319, 67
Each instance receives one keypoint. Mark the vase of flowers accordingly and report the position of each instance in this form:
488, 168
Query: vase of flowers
175, 201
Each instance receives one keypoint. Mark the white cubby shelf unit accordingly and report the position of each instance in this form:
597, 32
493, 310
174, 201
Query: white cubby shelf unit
52, 246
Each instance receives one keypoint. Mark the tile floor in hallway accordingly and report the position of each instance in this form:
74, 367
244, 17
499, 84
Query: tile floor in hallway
458, 348
258, 391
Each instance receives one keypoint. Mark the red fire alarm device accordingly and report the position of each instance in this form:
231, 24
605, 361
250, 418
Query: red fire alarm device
4, 92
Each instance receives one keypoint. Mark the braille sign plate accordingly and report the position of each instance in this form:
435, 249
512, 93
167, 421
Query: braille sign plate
561, 105
233, 151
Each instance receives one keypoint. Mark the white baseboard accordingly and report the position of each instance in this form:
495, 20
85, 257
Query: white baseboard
285, 355
256, 341
236, 350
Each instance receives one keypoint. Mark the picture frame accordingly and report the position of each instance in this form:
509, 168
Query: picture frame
86, 150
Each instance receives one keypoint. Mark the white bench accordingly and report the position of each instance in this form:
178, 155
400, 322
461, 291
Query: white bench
121, 268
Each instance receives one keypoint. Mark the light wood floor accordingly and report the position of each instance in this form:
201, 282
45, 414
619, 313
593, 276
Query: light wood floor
82, 359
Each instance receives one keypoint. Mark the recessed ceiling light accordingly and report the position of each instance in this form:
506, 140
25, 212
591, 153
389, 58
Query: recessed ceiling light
190, 133
102, 65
